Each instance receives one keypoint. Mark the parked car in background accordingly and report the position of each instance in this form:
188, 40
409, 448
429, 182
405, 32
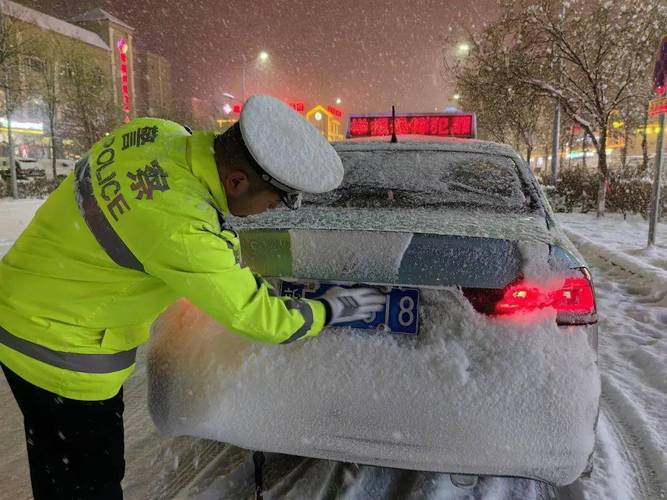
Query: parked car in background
26, 169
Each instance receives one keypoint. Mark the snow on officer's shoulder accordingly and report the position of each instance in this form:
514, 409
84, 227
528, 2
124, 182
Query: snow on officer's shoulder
292, 154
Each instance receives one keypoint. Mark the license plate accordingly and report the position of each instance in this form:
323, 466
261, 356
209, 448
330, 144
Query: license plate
401, 315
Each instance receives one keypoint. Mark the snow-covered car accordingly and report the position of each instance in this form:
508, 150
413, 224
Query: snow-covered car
483, 363
26, 168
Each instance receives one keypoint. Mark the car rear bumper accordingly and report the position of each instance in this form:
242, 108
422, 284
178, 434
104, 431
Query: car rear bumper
469, 395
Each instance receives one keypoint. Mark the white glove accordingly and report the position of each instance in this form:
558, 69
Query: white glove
351, 304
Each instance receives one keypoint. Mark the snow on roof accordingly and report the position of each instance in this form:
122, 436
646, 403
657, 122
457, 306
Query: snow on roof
51, 23
99, 15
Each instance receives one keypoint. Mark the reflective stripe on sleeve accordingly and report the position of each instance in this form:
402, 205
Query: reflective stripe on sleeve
85, 363
96, 221
307, 314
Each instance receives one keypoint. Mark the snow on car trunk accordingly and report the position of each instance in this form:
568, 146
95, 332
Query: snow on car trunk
483, 223
418, 249
469, 394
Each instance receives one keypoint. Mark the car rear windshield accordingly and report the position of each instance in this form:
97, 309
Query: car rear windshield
425, 179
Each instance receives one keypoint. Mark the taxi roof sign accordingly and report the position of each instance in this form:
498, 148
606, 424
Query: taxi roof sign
461, 125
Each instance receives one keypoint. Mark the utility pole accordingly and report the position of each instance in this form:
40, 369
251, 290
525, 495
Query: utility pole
10, 140
555, 144
654, 212
555, 132
660, 89
243, 80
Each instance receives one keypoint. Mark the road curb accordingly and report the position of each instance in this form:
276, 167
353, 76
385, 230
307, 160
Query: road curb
631, 264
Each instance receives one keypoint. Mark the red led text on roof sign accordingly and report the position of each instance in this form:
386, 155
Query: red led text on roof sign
442, 125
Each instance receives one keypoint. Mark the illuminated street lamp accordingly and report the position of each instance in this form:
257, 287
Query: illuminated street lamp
456, 97
463, 48
263, 56
338, 100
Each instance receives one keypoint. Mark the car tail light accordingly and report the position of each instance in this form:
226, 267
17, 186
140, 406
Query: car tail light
572, 298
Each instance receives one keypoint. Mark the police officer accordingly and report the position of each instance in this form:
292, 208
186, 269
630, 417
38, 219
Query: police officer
140, 223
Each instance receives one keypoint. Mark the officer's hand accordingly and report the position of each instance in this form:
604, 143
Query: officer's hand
351, 304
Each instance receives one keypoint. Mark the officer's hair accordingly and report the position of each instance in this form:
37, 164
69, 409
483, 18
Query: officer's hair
231, 153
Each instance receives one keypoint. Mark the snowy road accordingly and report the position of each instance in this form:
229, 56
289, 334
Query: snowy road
631, 461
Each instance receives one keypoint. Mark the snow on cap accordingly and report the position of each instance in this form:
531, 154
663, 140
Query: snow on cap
288, 148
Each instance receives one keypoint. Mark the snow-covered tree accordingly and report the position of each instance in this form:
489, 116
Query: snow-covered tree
88, 97
48, 55
508, 110
593, 56
11, 84
604, 52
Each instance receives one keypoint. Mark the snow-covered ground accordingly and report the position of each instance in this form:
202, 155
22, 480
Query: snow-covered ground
631, 286
14, 217
631, 461
621, 243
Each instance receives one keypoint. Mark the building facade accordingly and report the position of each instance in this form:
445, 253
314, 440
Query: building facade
327, 121
153, 85
129, 83
119, 37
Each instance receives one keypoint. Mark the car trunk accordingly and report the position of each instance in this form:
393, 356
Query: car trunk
454, 397
422, 249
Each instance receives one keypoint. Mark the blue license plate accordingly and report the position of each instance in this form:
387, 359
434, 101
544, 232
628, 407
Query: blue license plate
401, 315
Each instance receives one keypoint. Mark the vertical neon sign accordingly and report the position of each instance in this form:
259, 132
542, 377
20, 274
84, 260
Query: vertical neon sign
124, 80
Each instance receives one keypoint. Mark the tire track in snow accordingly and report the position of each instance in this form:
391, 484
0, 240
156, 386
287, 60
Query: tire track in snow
632, 364
631, 445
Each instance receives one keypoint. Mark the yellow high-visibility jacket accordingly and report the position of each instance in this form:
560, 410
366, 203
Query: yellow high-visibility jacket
139, 224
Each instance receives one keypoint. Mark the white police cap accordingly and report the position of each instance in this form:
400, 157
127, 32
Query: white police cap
292, 154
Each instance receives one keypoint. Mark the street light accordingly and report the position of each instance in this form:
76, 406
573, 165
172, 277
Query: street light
463, 48
338, 100
263, 56
457, 97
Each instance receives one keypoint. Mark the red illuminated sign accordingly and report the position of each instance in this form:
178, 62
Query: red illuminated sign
335, 111
441, 125
299, 107
657, 106
237, 108
124, 88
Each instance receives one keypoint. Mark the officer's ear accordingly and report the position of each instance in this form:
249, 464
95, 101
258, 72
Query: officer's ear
236, 183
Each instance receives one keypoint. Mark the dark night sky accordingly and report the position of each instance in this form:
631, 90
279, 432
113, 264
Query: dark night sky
370, 53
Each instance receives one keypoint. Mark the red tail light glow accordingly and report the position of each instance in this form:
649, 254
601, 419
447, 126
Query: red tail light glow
573, 300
